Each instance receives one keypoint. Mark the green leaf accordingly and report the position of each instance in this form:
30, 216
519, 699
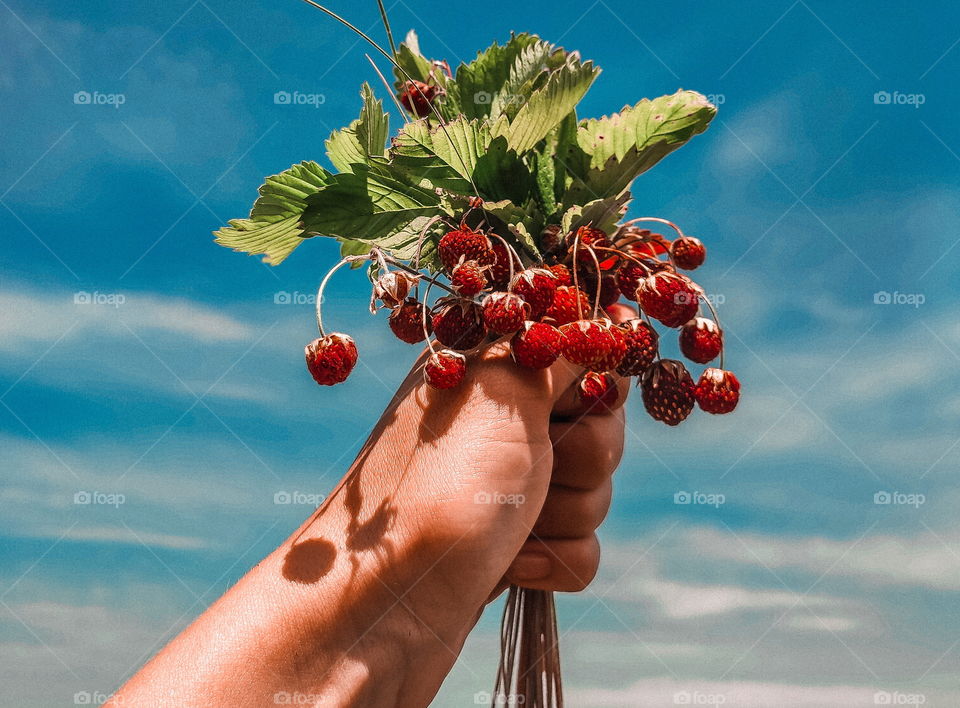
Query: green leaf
603, 214
411, 60
520, 222
479, 81
447, 158
369, 205
273, 228
363, 138
549, 105
501, 174
616, 149
530, 71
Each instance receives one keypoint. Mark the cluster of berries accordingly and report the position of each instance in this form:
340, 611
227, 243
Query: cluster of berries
557, 309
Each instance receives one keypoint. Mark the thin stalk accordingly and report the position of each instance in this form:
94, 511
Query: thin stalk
323, 285
716, 319
386, 85
652, 218
386, 26
443, 125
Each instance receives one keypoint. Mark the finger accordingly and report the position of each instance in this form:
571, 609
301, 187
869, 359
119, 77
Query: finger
561, 565
573, 513
586, 452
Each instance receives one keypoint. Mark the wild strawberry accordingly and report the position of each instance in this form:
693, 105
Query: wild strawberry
569, 304
458, 324
331, 358
597, 390
668, 391
467, 244
718, 391
417, 97
609, 292
391, 288
642, 342
563, 274
407, 322
701, 340
586, 239
504, 313
500, 268
537, 286
592, 344
629, 275
445, 369
688, 253
536, 345
468, 278
646, 242
669, 297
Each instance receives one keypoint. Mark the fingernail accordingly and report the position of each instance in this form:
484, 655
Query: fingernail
529, 565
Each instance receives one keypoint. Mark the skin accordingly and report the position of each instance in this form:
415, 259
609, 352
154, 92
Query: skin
370, 600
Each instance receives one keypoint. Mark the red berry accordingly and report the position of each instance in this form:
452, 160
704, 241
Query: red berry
407, 322
417, 97
629, 275
467, 278
592, 344
458, 324
669, 297
537, 286
688, 253
642, 342
609, 292
466, 244
718, 391
391, 288
500, 268
597, 390
331, 359
445, 369
504, 313
668, 391
536, 345
585, 240
701, 340
563, 274
569, 304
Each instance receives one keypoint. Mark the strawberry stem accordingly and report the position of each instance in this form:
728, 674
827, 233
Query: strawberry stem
323, 285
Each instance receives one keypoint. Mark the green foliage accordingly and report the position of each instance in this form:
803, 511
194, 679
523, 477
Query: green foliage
510, 135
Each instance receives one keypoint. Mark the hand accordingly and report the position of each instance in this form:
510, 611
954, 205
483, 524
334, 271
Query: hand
455, 494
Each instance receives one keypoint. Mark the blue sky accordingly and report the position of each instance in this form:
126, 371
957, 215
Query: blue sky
181, 386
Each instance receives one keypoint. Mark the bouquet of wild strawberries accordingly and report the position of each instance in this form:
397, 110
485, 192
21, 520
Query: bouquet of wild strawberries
494, 192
